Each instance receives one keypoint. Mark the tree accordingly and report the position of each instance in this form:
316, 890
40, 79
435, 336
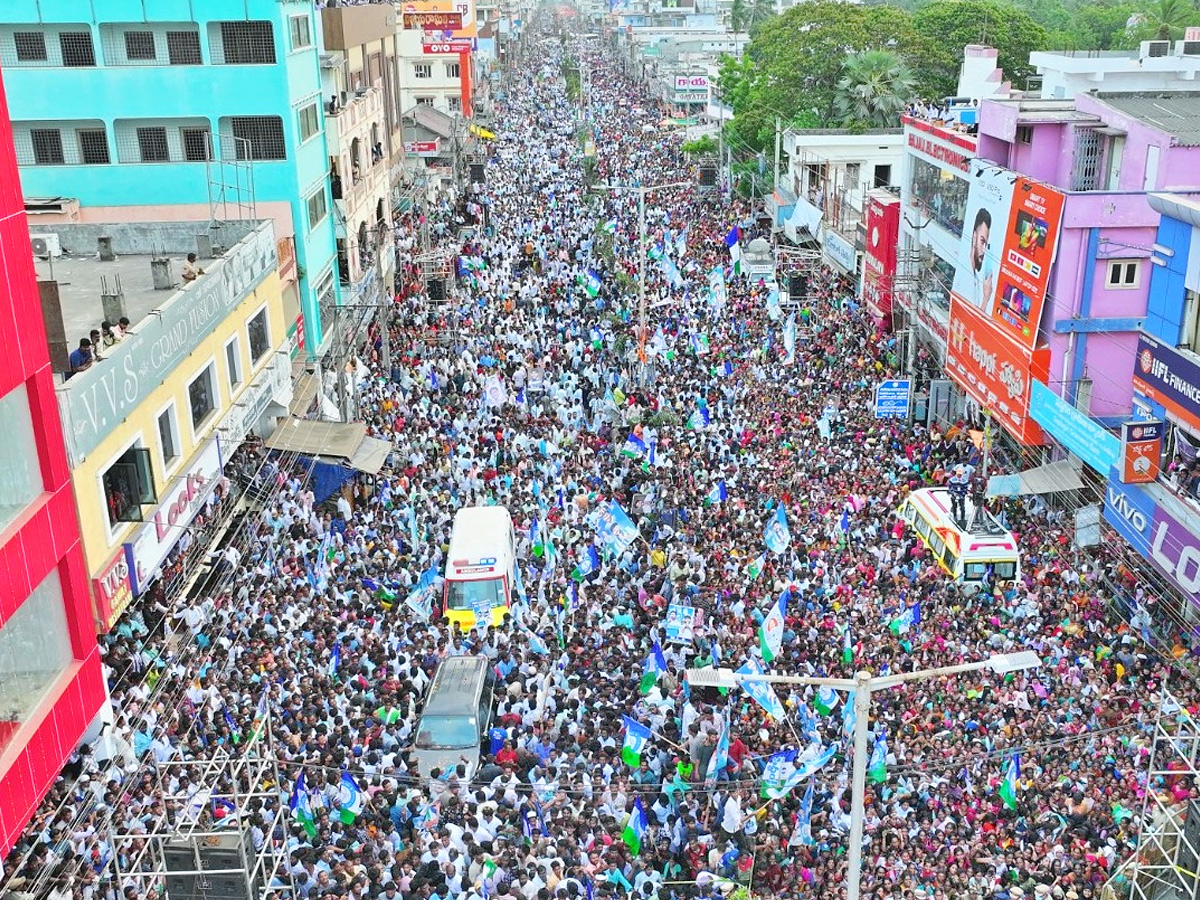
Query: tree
874, 88
1161, 20
949, 25
701, 146
746, 15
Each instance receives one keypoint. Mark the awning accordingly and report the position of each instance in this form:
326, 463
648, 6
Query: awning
303, 395
1063, 475
371, 455
327, 439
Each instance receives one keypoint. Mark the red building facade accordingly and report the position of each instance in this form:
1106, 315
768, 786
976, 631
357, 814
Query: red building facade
51, 683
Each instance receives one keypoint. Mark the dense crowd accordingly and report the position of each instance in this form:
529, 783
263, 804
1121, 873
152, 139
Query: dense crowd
525, 393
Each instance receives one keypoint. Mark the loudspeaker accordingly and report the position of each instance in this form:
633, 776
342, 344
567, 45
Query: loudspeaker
798, 287
708, 176
477, 173
436, 288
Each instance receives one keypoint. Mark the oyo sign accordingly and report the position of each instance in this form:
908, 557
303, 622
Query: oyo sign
179, 505
448, 47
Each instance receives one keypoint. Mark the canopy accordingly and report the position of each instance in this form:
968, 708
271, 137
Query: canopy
303, 395
1062, 475
325, 439
372, 453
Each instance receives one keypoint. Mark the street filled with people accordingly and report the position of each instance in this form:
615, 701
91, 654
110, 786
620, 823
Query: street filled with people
606, 774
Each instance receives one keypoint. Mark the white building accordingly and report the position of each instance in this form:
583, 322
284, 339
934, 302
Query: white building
1154, 66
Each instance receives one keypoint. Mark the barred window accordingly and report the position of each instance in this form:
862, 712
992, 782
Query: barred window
152, 144
30, 46
422, 70
183, 48
93, 146
258, 137
47, 146
77, 49
195, 144
139, 45
247, 44
310, 121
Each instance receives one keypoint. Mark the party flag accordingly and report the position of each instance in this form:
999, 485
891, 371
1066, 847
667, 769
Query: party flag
720, 757
906, 620
352, 799
789, 339
656, 665
761, 692
589, 564
877, 768
635, 827
777, 770
770, 633
637, 736
610, 226
776, 535
804, 819
756, 567
718, 494
301, 807
335, 660
1008, 787
635, 447
827, 698
847, 646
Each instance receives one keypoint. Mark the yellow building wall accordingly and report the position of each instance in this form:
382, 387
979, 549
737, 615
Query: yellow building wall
141, 427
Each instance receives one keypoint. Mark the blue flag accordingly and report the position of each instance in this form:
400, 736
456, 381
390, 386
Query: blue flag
776, 535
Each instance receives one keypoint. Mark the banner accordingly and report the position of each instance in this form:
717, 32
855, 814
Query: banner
1169, 378
994, 371
681, 623
1010, 235
879, 256
614, 528
1141, 451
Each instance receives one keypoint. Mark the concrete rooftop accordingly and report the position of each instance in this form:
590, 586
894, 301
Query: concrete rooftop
79, 288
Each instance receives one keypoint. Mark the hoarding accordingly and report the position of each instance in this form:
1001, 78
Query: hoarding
439, 20
1010, 235
994, 371
1167, 539
463, 9
879, 256
1141, 451
1169, 378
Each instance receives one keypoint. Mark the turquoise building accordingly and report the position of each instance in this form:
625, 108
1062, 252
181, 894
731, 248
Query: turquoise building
195, 110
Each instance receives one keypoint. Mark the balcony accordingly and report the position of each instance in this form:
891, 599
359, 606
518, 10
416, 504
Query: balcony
348, 27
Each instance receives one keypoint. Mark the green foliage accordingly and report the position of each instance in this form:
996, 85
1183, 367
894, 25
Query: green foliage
1160, 20
874, 88
747, 15
949, 25
702, 146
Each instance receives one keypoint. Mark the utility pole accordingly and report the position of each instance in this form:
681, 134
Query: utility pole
778, 142
987, 439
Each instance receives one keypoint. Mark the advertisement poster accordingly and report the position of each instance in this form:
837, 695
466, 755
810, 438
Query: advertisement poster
995, 372
1010, 235
1169, 378
1141, 451
879, 256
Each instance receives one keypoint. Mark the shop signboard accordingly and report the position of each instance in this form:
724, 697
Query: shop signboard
439, 20
442, 47
839, 251
1169, 543
994, 371
1141, 451
879, 255
112, 590
180, 503
1086, 438
1169, 378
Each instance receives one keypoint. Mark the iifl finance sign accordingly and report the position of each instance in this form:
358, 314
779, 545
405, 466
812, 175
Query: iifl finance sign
995, 372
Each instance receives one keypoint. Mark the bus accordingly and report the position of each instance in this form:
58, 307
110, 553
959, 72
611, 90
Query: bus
479, 567
983, 549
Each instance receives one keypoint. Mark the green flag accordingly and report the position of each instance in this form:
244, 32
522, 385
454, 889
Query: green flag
1008, 787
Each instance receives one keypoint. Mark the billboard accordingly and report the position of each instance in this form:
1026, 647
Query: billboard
993, 371
1169, 378
1141, 451
1010, 235
879, 256
426, 12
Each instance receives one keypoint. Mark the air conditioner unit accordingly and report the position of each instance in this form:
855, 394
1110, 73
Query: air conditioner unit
46, 245
1187, 48
1151, 49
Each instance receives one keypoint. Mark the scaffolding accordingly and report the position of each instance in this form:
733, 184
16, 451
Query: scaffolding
219, 832
230, 175
1167, 859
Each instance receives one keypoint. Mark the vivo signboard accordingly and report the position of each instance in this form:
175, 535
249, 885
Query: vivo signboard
1171, 546
95, 401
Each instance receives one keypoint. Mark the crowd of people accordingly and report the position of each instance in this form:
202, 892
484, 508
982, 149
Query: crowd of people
524, 392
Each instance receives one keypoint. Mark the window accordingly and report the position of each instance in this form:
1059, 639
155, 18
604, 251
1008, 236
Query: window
853, 173
20, 473
301, 31
35, 649
183, 48
77, 49
128, 486
247, 44
310, 121
152, 145
1024, 134
452, 70
1123, 274
202, 396
47, 146
260, 336
93, 146
258, 137
424, 101
30, 46
422, 70
454, 104
318, 208
1086, 169
168, 437
140, 45
195, 144
326, 298
233, 359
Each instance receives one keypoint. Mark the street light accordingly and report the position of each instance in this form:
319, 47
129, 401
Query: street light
642, 190
864, 685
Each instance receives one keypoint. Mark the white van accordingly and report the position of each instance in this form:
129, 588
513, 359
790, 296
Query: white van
480, 574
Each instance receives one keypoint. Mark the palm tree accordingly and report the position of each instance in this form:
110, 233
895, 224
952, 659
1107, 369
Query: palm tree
1163, 20
745, 14
874, 88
